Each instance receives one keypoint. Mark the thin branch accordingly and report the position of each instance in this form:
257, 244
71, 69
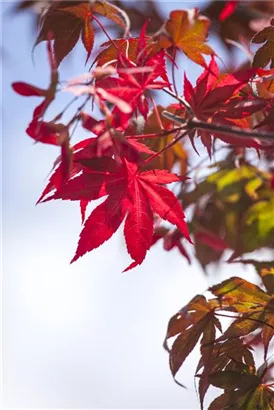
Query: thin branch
180, 99
231, 130
173, 72
105, 31
246, 318
196, 124
155, 135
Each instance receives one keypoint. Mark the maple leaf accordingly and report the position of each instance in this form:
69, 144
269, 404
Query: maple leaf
195, 319
132, 196
186, 30
241, 294
66, 21
132, 87
256, 308
264, 55
244, 389
215, 100
232, 355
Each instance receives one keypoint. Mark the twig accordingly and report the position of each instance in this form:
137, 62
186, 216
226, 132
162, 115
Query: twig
180, 99
196, 124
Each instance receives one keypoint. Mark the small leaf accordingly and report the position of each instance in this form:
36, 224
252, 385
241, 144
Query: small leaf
188, 30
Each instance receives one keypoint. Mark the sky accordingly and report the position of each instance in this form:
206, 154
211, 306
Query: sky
82, 335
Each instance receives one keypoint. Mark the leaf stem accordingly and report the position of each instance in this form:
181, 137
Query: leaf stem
105, 31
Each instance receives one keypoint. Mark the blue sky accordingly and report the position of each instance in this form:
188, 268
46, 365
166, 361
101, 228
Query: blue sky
82, 335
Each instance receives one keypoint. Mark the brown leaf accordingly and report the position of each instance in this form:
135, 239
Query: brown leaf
191, 322
265, 54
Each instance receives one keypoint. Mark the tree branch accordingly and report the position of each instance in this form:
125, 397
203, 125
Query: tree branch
196, 124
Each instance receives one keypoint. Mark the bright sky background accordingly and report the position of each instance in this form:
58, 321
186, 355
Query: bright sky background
85, 335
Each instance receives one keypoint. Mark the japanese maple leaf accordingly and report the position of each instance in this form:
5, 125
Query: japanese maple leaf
191, 322
244, 388
132, 196
68, 20
186, 30
255, 306
215, 99
264, 55
132, 87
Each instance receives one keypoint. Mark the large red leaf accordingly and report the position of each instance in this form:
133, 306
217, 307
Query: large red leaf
131, 194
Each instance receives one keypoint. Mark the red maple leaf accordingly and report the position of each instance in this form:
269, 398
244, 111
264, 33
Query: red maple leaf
131, 87
216, 99
132, 196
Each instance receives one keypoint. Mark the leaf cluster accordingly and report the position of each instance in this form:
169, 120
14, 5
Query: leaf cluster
227, 359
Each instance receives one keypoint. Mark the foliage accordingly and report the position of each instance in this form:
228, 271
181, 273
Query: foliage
137, 147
